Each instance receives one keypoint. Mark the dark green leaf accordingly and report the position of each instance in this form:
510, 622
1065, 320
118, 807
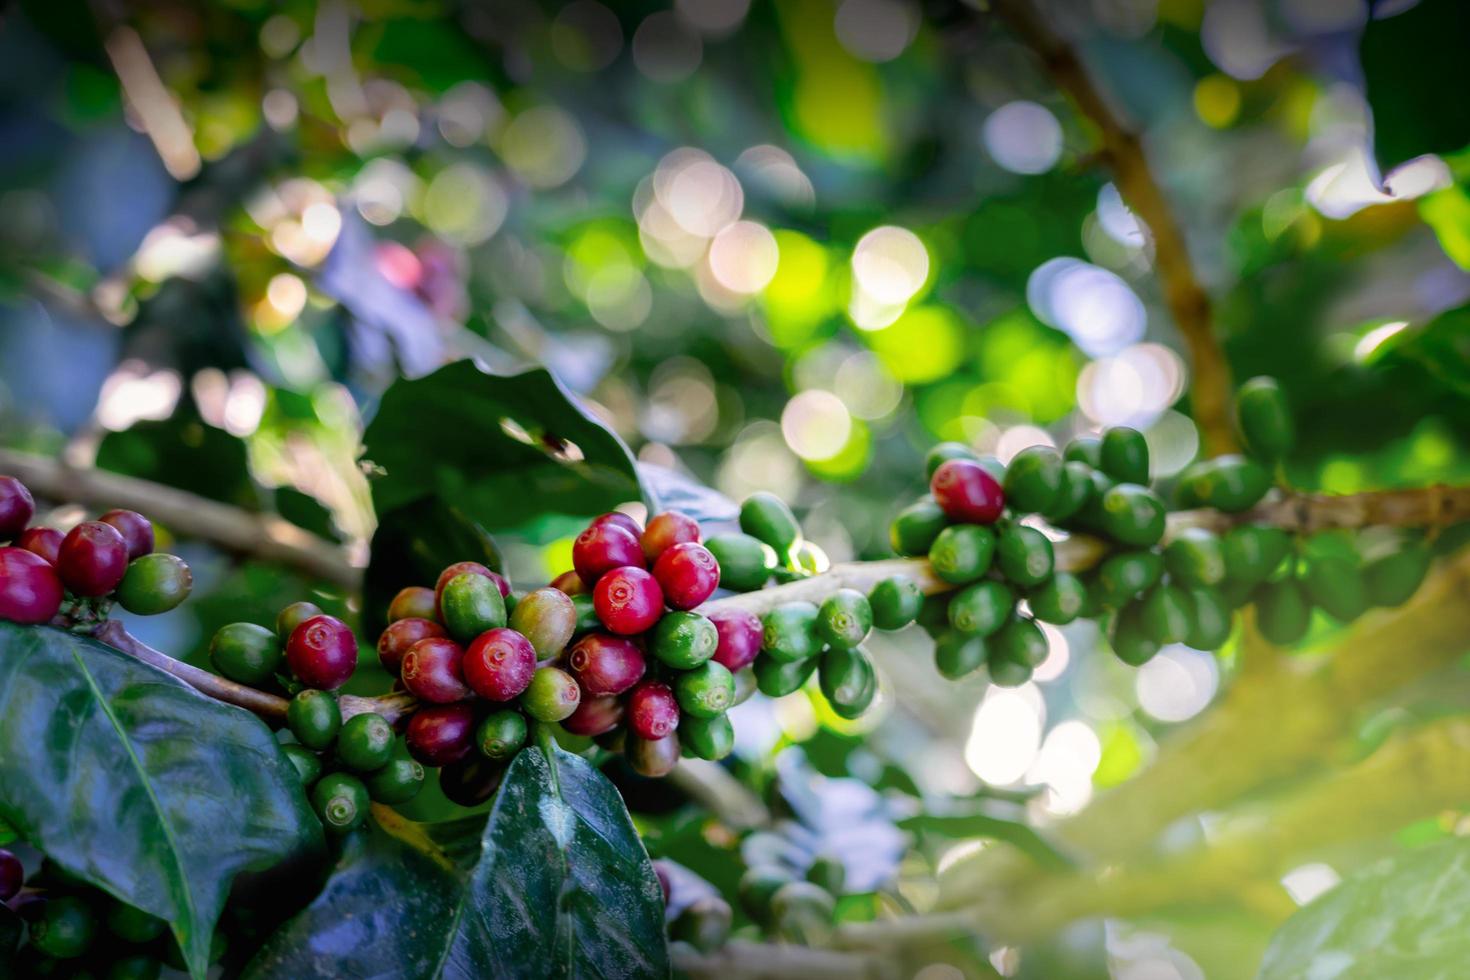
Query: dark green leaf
11, 928
138, 784
1413, 67
185, 452
1404, 916
306, 512
672, 490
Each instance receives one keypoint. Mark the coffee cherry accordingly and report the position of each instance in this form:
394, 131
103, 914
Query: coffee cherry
246, 653
765, 517
895, 602
687, 574
600, 549
1264, 419
1133, 515
1253, 552
470, 604
43, 541
914, 529
314, 718
653, 711
1335, 584
461, 568
433, 671
738, 638
967, 493
132, 924
1084, 449
398, 781
628, 600
618, 519
703, 924
135, 529
654, 758
1033, 479
666, 530
501, 734
571, 584
1392, 579
1283, 612
1024, 555
1131, 641
802, 913
322, 652
499, 664
12, 876
548, 618
776, 679
757, 886
943, 452
848, 681
308, 764
982, 608
414, 602
1212, 621
441, 733
92, 559
745, 562
552, 695
958, 654
1196, 556
1074, 492
1022, 641
844, 619
365, 743
606, 664
1166, 614
471, 781
1229, 483
293, 616
594, 716
1059, 600
341, 802
1091, 514
962, 553
1124, 455
789, 632
707, 738
17, 507
154, 584
30, 589
400, 635
706, 691
65, 928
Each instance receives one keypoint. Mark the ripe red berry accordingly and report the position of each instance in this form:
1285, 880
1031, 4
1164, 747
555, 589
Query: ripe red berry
594, 716
653, 712
628, 601
322, 653
666, 530
414, 602
401, 634
601, 548
966, 493
618, 519
605, 664
43, 541
439, 734
136, 530
30, 589
433, 671
570, 583
16, 507
92, 559
499, 664
688, 574
12, 876
740, 638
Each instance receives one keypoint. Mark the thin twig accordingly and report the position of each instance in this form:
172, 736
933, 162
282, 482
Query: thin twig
1124, 152
741, 960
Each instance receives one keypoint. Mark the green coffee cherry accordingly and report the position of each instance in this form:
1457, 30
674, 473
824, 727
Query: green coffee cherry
1033, 479
552, 695
246, 653
844, 619
365, 742
1264, 419
1073, 493
501, 734
1008, 673
139, 967
1392, 579
913, 531
471, 604
548, 618
848, 681
293, 616
1123, 455
707, 738
307, 763
397, 782
1212, 621
776, 679
895, 602
934, 614
790, 632
65, 928
1091, 514
1253, 552
1084, 449
828, 873
958, 654
1059, 600
1336, 585
1283, 612
1133, 515
744, 684
1024, 555
942, 453
314, 718
684, 639
745, 562
765, 517
962, 553
154, 584
1165, 614
1130, 639
757, 887
982, 608
132, 924
1126, 574
810, 558
703, 924
341, 802
1228, 483
1196, 556
706, 691
1021, 641
802, 913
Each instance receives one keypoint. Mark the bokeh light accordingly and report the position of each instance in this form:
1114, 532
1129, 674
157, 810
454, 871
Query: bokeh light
890, 264
1006, 734
816, 425
1023, 137
744, 256
1092, 305
1177, 684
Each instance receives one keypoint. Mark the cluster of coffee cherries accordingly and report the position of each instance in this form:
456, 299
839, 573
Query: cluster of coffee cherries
769, 546
45, 573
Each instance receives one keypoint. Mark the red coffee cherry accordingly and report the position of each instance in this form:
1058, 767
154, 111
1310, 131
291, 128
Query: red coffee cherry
499, 664
92, 559
401, 634
605, 664
136, 530
601, 548
653, 712
740, 638
570, 583
43, 541
433, 671
30, 589
12, 876
628, 601
666, 530
618, 519
414, 602
439, 734
688, 574
322, 653
966, 493
16, 507
594, 716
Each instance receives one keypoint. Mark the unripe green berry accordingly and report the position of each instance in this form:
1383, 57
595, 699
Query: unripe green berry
757, 887
915, 527
1212, 621
684, 640
705, 691
703, 924
844, 619
962, 552
1283, 612
1084, 449
802, 913
65, 928
365, 742
1253, 552
548, 618
1123, 455
746, 563
1024, 555
1165, 614
131, 923
765, 517
895, 602
848, 681
776, 678
397, 782
552, 696
1133, 515
314, 718
502, 734
470, 605
1265, 420
1336, 585
1124, 575
308, 764
707, 738
1059, 600
1130, 640
1392, 579
982, 608
154, 584
341, 801
1033, 479
789, 632
1020, 640
246, 653
958, 654
1196, 556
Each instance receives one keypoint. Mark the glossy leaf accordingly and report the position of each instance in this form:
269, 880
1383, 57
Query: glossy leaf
673, 490
1413, 69
185, 452
137, 783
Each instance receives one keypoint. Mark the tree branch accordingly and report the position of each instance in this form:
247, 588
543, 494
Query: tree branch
263, 536
1123, 150
741, 960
